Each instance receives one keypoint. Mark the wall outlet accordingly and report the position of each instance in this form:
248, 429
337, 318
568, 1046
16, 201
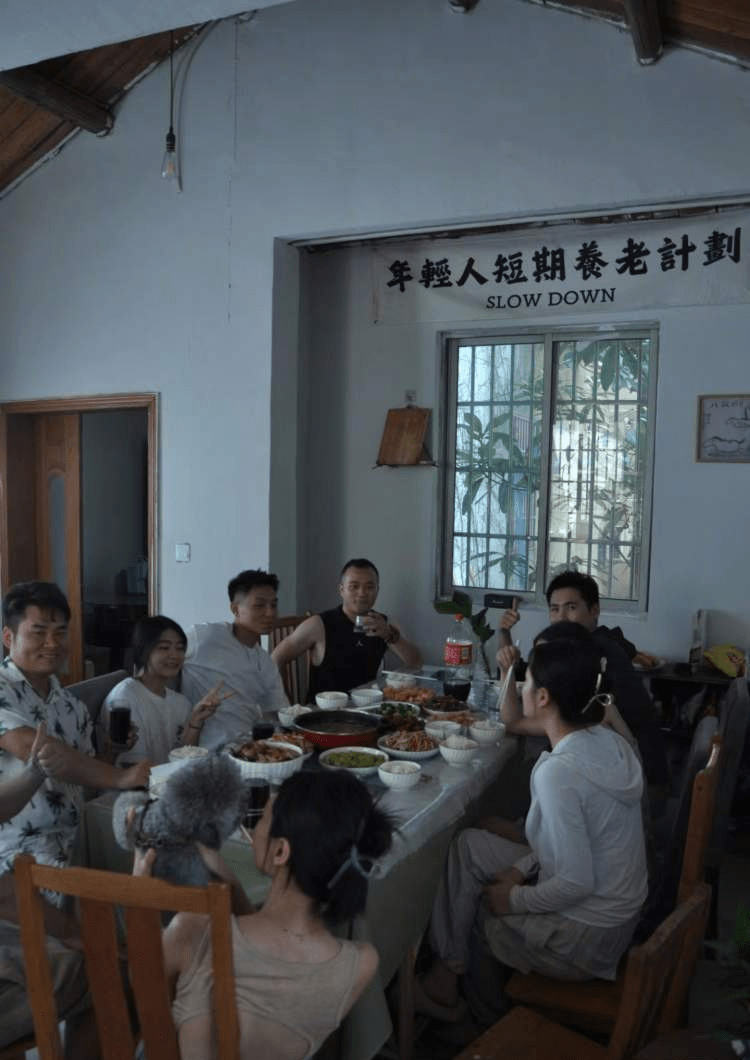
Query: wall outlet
182, 553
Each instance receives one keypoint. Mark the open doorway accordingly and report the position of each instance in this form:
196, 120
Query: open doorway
79, 482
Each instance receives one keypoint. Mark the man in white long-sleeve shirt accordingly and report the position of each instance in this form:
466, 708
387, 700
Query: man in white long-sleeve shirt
231, 652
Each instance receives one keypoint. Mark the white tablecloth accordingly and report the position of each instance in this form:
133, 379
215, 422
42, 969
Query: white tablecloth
399, 903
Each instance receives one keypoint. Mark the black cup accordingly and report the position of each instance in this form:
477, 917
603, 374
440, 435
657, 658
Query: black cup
262, 730
119, 725
258, 794
457, 689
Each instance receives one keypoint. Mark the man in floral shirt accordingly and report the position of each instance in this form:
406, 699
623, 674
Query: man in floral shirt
35, 630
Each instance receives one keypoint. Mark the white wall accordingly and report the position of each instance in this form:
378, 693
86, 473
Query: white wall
359, 369
329, 116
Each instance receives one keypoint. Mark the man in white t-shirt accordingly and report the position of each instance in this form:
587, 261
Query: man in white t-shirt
231, 652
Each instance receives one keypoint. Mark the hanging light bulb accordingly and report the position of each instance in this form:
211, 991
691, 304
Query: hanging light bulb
169, 170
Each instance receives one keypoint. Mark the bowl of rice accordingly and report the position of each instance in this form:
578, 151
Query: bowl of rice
458, 750
187, 753
400, 775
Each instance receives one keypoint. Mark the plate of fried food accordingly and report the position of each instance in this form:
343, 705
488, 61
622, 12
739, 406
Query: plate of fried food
270, 759
412, 745
396, 715
408, 694
296, 739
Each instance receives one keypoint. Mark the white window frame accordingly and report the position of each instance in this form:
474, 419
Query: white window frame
548, 335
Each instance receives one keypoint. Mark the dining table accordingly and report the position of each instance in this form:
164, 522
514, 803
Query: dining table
426, 817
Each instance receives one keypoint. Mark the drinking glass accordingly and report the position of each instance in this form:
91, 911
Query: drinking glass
258, 794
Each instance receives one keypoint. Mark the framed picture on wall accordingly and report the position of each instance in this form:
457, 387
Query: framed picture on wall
723, 429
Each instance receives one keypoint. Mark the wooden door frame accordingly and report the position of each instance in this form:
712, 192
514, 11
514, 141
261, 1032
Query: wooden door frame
90, 403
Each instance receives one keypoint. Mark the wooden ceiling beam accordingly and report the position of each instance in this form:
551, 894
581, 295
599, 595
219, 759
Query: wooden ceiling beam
645, 29
56, 98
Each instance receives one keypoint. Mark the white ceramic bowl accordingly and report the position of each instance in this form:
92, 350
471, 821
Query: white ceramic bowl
487, 732
401, 680
332, 700
458, 756
289, 715
274, 772
366, 697
358, 771
438, 730
400, 775
187, 753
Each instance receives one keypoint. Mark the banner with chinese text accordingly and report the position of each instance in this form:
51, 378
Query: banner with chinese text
539, 271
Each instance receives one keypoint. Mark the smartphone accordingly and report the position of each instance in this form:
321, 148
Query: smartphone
502, 601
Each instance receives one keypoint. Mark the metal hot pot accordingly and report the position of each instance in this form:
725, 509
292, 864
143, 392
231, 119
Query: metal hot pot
338, 728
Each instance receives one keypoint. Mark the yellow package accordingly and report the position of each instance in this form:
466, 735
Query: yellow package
727, 658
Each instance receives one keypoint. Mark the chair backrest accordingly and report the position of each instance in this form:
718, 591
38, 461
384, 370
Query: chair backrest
95, 690
649, 971
734, 718
701, 820
295, 674
142, 899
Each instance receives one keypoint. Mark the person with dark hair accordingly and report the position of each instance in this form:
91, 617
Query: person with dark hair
319, 840
345, 655
230, 652
46, 757
566, 902
164, 718
574, 597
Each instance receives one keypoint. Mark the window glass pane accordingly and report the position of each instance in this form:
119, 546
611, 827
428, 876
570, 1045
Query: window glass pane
598, 459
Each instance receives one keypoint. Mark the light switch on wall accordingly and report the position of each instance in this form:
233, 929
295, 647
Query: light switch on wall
182, 553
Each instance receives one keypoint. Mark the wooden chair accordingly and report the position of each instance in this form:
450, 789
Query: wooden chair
734, 715
296, 674
528, 1035
593, 1005
17, 1050
142, 900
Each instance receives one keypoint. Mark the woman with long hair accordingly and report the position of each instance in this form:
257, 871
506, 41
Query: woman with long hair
566, 901
319, 840
163, 717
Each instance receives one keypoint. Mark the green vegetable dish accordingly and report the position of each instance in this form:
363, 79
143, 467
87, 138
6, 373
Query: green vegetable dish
354, 759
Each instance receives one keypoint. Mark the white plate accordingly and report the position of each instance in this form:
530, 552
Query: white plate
414, 756
649, 669
377, 708
358, 771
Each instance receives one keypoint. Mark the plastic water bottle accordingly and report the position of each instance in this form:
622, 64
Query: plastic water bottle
458, 655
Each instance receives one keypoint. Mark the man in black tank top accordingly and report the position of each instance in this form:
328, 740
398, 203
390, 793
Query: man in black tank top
342, 655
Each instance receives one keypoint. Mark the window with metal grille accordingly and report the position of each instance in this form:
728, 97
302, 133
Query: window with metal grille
548, 461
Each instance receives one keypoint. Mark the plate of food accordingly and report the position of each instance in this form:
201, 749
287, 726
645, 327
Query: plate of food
646, 663
408, 694
413, 745
361, 761
272, 760
294, 738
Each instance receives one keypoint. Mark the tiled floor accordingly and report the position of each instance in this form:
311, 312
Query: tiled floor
708, 1007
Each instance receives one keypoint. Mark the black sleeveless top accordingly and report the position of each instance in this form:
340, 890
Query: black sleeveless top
350, 659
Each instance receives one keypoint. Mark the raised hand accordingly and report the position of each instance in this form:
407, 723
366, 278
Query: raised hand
510, 617
205, 707
507, 657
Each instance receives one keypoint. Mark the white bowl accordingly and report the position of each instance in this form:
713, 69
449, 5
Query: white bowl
400, 775
274, 772
487, 732
458, 756
438, 730
366, 697
289, 715
332, 700
396, 680
358, 771
188, 753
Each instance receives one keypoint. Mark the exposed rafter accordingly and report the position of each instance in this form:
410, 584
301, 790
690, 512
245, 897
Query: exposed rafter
66, 103
645, 28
